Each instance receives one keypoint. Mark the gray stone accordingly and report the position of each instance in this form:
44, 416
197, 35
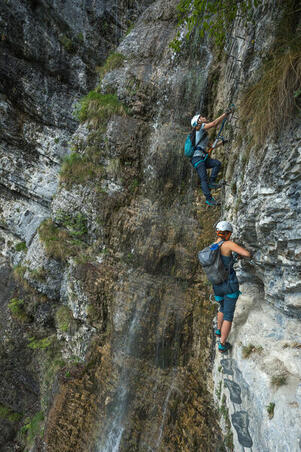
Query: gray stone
234, 390
240, 421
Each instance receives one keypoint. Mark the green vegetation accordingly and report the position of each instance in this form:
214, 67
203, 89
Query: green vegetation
40, 344
33, 427
63, 317
78, 169
16, 308
66, 43
8, 414
80, 37
214, 18
114, 61
247, 350
19, 271
58, 242
219, 389
270, 409
279, 380
97, 108
21, 246
38, 273
229, 435
274, 97
76, 224
133, 185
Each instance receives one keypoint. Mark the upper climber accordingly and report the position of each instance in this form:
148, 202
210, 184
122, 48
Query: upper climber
200, 159
227, 292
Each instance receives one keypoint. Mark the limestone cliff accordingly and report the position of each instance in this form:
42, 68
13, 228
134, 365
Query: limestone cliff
106, 319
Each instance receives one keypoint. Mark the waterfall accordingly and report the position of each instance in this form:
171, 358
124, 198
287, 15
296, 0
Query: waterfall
146, 352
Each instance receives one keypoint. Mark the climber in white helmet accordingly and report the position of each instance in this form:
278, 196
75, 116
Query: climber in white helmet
227, 292
201, 160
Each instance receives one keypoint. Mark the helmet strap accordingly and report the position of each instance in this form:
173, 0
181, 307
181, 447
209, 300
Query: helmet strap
224, 235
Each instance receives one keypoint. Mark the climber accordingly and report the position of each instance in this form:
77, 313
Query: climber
200, 159
227, 292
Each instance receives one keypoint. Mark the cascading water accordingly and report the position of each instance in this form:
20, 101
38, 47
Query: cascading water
149, 357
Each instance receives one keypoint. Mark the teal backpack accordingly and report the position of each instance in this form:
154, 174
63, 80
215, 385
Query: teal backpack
190, 145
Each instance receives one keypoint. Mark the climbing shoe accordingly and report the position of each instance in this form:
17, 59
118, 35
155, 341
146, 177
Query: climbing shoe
211, 202
213, 185
217, 332
224, 348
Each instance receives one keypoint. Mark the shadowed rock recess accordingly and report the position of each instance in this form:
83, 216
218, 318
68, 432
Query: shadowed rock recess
106, 321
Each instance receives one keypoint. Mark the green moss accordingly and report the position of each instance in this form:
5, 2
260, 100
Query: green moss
21, 246
270, 409
114, 61
33, 428
16, 307
66, 43
211, 18
247, 350
40, 344
8, 414
97, 108
63, 317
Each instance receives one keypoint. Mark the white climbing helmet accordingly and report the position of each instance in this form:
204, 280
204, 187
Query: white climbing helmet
224, 226
194, 121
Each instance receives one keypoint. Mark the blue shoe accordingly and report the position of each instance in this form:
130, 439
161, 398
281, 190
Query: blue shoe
218, 332
224, 348
211, 202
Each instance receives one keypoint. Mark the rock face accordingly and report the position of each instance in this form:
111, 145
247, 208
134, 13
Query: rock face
261, 376
106, 317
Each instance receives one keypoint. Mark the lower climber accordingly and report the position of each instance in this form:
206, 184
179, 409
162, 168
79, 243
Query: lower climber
227, 292
201, 160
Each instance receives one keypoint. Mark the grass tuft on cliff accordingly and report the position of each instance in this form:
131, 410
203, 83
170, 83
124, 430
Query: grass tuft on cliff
16, 307
270, 104
247, 350
63, 318
96, 108
58, 242
78, 169
114, 61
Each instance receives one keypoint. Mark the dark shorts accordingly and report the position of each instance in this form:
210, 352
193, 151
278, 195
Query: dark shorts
227, 294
